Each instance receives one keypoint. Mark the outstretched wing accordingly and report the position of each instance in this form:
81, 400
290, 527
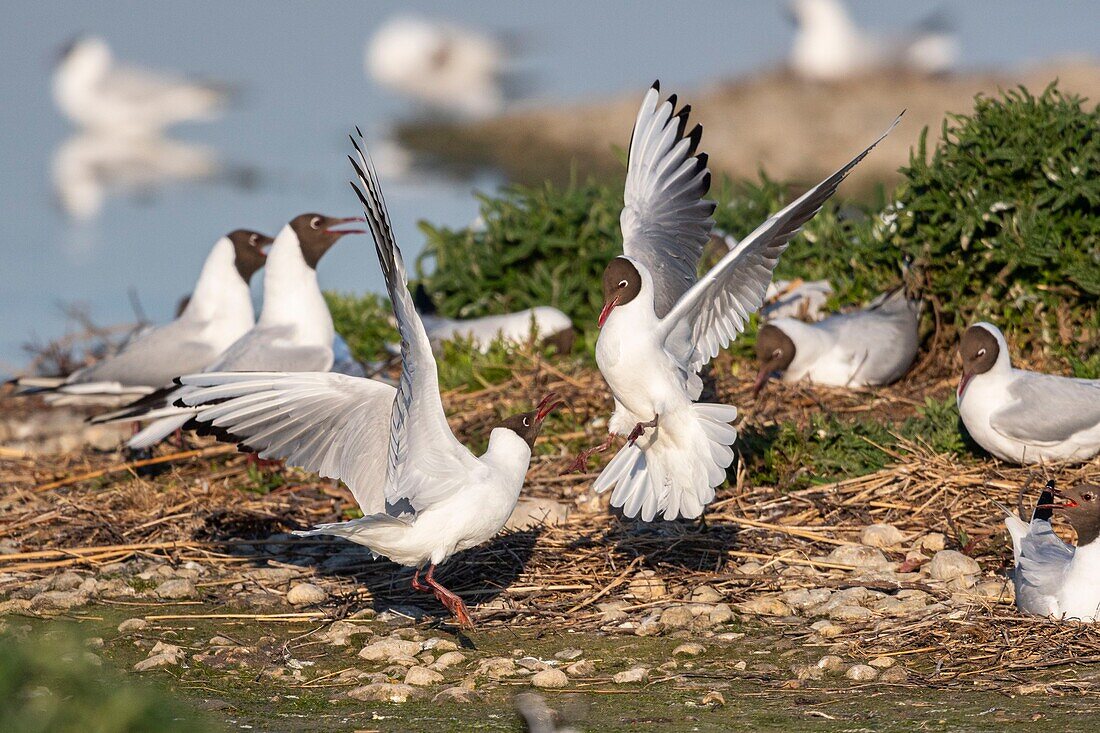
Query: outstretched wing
711, 314
426, 462
665, 219
1048, 409
332, 424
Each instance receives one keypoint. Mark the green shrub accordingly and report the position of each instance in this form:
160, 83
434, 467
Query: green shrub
365, 322
1003, 219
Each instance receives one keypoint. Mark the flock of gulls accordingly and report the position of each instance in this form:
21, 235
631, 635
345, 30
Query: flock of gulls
266, 383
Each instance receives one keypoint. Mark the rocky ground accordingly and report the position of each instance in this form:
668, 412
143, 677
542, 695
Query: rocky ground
867, 600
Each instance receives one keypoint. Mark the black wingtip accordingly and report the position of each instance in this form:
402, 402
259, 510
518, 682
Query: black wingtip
656, 85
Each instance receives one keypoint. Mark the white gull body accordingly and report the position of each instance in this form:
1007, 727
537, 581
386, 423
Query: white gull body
829, 46
515, 327
218, 313
96, 93
651, 347
869, 347
1028, 417
1052, 578
294, 333
386, 444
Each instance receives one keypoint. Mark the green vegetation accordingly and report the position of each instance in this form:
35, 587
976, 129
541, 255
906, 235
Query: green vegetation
55, 683
365, 323
830, 449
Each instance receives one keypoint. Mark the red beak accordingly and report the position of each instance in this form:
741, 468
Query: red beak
967, 376
761, 379
607, 308
348, 220
549, 403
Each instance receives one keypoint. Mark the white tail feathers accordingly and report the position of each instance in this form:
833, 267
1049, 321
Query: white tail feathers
675, 473
158, 430
380, 533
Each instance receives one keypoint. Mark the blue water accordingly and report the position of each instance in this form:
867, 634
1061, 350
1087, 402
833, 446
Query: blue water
300, 68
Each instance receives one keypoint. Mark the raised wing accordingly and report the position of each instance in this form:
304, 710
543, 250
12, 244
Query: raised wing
1048, 409
332, 424
426, 462
711, 314
665, 219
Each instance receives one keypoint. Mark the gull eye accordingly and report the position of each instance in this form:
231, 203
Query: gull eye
315, 223
622, 283
1088, 496
777, 353
252, 240
981, 352
526, 421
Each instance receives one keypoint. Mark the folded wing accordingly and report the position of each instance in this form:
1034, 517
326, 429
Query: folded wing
1048, 409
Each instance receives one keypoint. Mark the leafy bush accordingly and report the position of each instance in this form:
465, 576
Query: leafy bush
1004, 217
365, 323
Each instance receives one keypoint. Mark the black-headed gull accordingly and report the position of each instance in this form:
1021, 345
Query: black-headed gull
441, 65
828, 46
294, 332
661, 323
386, 444
873, 346
1052, 578
95, 92
218, 313
1021, 416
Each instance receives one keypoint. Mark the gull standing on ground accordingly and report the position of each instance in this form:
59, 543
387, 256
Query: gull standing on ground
96, 93
1052, 578
1021, 416
387, 445
217, 314
294, 332
870, 347
661, 323
828, 46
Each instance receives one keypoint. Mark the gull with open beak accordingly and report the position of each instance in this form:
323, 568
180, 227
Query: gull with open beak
386, 444
294, 332
661, 323
1022, 416
1052, 578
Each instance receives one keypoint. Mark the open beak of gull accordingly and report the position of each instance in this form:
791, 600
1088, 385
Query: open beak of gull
549, 403
607, 308
341, 222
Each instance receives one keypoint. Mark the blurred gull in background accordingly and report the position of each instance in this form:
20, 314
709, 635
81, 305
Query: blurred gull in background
448, 68
96, 93
829, 46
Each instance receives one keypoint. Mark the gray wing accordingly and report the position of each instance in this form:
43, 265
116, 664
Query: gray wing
271, 348
332, 424
152, 360
1048, 409
709, 315
426, 462
665, 219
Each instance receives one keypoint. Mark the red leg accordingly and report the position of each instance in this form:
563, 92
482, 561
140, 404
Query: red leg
416, 584
450, 600
581, 463
639, 430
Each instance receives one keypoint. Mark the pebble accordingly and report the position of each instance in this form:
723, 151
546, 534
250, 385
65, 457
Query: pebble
568, 655
721, 614
422, 676
58, 600
176, 588
706, 594
713, 699
691, 649
339, 633
583, 668
831, 663
439, 644
881, 535
535, 512
306, 594
860, 556
803, 598
389, 649
851, 613
132, 624
861, 673
533, 664
827, 629
883, 662
497, 667
383, 692
551, 678
448, 659
458, 695
807, 672
612, 612
894, 675
765, 606
636, 674
933, 542
66, 581
677, 617
949, 565
648, 587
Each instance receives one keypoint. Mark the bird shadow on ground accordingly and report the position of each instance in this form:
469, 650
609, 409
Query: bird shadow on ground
694, 545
